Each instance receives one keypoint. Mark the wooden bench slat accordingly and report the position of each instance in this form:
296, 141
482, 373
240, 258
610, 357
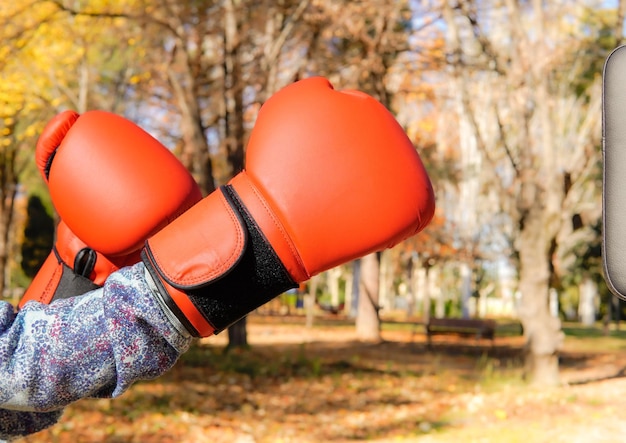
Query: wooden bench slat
481, 328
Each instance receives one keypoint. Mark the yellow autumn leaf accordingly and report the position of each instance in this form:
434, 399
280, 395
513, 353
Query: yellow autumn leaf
500, 414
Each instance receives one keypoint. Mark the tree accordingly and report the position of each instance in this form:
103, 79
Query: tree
368, 326
369, 36
19, 112
53, 58
512, 67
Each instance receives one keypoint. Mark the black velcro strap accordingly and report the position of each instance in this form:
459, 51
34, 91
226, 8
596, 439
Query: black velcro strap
256, 279
72, 284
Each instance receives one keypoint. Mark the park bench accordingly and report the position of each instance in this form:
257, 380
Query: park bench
468, 327
330, 308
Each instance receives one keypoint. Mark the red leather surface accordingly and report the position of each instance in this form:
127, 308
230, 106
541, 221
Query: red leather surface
45, 282
339, 173
201, 245
51, 137
113, 183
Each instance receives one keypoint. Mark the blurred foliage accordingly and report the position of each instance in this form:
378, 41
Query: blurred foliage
171, 67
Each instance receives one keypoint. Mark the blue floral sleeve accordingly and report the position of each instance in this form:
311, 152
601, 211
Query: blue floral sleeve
95, 345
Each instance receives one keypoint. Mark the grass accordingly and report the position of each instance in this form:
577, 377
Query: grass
580, 338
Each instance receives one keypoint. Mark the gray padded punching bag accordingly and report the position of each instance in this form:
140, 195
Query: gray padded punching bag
614, 171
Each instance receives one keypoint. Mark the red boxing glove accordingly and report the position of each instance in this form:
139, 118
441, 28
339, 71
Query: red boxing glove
113, 186
330, 176
72, 268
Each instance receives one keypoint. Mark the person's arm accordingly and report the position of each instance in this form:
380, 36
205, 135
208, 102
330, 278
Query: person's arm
94, 345
14, 424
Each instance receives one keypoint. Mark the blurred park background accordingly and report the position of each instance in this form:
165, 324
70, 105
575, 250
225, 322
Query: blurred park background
502, 99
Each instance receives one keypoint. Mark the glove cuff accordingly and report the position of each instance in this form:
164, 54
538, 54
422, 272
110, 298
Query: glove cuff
257, 277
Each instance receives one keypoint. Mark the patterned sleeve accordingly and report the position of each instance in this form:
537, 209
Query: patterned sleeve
95, 345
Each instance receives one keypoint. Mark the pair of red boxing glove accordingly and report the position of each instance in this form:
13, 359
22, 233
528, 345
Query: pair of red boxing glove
330, 176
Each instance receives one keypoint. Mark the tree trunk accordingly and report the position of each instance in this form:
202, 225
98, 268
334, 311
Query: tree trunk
3, 266
435, 292
420, 290
332, 276
233, 123
237, 334
466, 289
195, 149
542, 331
310, 300
368, 320
386, 297
7, 208
349, 294
588, 291
309, 306
356, 278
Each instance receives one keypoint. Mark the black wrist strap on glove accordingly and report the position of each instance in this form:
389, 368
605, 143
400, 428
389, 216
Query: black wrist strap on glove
257, 278
76, 281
